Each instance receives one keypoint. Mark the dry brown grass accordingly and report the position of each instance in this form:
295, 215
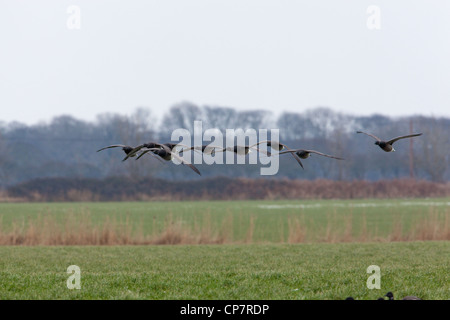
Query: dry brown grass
296, 230
6, 197
432, 228
221, 189
80, 230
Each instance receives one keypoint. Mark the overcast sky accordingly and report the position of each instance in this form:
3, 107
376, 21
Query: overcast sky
279, 55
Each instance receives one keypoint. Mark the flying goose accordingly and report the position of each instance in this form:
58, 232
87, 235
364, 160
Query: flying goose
167, 154
304, 154
387, 145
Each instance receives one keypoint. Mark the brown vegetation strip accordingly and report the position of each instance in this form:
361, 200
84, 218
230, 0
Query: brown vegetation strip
125, 189
80, 230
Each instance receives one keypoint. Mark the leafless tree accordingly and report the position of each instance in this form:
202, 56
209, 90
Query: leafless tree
181, 115
4, 177
433, 149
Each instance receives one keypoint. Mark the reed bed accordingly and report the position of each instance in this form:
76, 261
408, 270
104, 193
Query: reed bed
81, 229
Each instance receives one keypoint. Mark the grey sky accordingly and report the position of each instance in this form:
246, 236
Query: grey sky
247, 54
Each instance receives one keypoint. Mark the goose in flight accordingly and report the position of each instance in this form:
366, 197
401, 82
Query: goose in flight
387, 145
168, 154
304, 154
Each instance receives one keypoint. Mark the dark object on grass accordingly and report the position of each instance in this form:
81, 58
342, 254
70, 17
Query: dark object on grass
390, 296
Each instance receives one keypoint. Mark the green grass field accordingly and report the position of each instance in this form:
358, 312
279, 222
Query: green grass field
269, 250
303, 271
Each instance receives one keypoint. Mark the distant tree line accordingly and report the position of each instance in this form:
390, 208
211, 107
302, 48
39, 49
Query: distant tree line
66, 147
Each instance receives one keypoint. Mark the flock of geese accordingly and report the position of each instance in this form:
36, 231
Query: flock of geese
167, 152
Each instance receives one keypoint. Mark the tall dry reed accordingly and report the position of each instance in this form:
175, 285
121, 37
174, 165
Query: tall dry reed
80, 229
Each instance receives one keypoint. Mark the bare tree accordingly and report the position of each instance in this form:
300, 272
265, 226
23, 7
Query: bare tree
181, 115
253, 119
221, 118
337, 145
295, 126
4, 177
434, 148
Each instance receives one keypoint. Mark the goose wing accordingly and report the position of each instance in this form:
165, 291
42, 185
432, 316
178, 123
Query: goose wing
267, 153
323, 154
194, 148
113, 146
268, 142
201, 149
174, 155
403, 137
370, 135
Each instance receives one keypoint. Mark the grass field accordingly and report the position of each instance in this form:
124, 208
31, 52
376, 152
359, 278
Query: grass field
250, 249
271, 271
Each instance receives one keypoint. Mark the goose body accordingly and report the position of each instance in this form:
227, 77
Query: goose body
148, 145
